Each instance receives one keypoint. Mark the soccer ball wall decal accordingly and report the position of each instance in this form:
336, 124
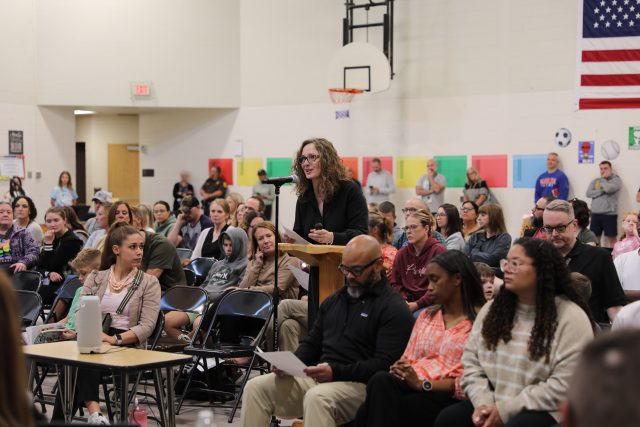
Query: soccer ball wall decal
563, 137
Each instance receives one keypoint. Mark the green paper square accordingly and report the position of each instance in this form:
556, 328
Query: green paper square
454, 168
279, 166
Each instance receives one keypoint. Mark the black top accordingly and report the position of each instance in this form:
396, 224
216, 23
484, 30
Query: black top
65, 248
212, 249
597, 265
359, 337
212, 185
177, 198
346, 214
160, 253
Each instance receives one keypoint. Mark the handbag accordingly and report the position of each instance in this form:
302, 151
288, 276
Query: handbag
106, 318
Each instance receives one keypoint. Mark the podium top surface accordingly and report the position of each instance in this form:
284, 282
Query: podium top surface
311, 249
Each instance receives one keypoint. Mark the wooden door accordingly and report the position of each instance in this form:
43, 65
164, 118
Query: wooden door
124, 172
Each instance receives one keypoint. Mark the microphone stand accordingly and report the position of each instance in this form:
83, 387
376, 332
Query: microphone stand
276, 291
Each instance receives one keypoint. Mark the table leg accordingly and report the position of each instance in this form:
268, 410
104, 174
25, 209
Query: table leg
69, 392
160, 396
171, 411
124, 396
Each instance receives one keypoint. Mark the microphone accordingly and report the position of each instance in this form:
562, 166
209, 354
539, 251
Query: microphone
282, 180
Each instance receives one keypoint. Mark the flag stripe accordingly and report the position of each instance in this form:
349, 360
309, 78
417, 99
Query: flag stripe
610, 80
610, 92
610, 55
630, 67
587, 103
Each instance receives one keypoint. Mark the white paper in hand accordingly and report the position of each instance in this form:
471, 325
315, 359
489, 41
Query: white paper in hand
293, 235
286, 361
301, 276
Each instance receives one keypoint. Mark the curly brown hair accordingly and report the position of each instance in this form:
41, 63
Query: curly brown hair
552, 279
330, 164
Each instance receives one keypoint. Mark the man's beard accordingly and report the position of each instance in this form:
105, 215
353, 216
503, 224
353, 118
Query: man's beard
537, 222
356, 290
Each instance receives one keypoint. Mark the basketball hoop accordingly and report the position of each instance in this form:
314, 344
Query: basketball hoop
343, 96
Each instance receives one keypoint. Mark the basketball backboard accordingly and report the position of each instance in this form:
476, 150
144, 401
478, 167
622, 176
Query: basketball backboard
359, 65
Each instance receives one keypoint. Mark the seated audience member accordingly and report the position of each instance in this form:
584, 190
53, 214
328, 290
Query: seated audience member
160, 259
629, 240
250, 220
73, 222
181, 189
427, 377
380, 229
532, 225
524, 344
408, 276
341, 356
234, 200
603, 390
490, 283
164, 218
120, 212
18, 249
101, 225
604, 192
415, 204
144, 214
628, 269
265, 192
260, 273
224, 274
120, 276
24, 214
450, 226
492, 242
388, 210
476, 189
293, 324
214, 187
99, 198
207, 244
561, 228
189, 224
583, 216
59, 246
16, 407
372, 207
469, 217
238, 218
582, 285
254, 204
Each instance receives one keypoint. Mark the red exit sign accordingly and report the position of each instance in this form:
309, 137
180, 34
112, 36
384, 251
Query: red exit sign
141, 89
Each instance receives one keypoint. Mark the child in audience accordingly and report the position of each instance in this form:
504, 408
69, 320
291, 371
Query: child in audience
629, 240
381, 229
488, 278
582, 285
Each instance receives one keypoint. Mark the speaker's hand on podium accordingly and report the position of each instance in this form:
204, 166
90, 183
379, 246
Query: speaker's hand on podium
321, 236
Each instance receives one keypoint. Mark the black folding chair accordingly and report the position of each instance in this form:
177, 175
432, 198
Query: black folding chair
190, 276
201, 267
30, 307
65, 295
239, 321
188, 299
27, 281
184, 253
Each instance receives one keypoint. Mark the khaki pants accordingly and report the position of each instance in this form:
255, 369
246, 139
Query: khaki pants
292, 319
327, 404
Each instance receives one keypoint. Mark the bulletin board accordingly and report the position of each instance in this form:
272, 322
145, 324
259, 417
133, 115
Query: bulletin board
11, 166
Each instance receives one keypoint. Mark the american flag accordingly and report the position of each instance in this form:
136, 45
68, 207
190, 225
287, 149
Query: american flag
609, 54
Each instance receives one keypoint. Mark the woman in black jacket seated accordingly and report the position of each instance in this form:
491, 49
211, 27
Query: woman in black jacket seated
59, 246
331, 209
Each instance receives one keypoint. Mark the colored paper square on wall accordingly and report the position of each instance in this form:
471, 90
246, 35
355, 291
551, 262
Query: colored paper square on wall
527, 168
247, 171
492, 169
279, 166
385, 161
352, 162
226, 169
586, 151
409, 170
454, 168
634, 137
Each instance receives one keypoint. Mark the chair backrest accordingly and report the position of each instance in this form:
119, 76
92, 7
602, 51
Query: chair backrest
241, 313
184, 298
30, 306
66, 292
26, 281
190, 276
201, 267
184, 253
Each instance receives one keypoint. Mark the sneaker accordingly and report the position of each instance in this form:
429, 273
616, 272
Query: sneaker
98, 419
184, 338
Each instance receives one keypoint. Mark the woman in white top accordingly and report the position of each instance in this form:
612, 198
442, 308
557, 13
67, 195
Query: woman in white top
24, 214
207, 245
450, 226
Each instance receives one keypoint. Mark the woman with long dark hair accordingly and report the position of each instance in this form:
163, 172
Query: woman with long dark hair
492, 242
164, 218
469, 216
450, 226
426, 379
524, 344
331, 209
24, 214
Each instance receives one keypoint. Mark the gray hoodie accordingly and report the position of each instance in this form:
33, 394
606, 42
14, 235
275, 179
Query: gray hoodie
604, 192
228, 272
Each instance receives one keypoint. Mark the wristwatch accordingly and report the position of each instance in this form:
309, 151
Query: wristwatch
426, 385
119, 342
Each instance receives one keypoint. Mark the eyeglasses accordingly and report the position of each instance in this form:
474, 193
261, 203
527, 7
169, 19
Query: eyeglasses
559, 228
512, 264
409, 210
356, 270
538, 208
465, 210
412, 227
312, 158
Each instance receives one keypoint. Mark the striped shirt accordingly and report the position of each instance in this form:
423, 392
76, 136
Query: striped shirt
434, 351
508, 378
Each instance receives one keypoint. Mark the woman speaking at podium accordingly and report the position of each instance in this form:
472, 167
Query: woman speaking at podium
331, 209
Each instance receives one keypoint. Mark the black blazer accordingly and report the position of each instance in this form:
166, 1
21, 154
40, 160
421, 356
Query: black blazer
346, 214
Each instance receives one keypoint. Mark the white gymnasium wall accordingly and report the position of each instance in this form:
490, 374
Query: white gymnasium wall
98, 132
90, 52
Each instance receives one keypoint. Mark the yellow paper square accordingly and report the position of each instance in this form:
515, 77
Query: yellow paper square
247, 171
409, 170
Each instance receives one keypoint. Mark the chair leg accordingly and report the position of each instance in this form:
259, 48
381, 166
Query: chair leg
244, 382
186, 387
107, 400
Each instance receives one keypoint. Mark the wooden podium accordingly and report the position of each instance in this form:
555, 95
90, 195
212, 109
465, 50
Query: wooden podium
324, 277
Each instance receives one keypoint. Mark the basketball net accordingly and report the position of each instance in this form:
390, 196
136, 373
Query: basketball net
343, 96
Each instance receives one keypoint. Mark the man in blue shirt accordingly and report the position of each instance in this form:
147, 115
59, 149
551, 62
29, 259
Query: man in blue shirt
553, 182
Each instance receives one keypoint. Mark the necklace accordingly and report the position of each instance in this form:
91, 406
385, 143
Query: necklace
118, 285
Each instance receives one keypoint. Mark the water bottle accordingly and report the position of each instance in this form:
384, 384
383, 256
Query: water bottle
138, 415
205, 418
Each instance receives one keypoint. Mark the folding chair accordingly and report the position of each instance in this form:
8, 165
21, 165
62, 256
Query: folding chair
27, 281
190, 276
201, 267
184, 253
239, 321
30, 305
188, 299
66, 293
